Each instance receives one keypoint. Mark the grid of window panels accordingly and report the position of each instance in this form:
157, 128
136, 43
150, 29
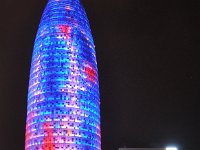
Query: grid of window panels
63, 97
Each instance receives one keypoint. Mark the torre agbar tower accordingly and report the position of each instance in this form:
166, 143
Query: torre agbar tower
63, 97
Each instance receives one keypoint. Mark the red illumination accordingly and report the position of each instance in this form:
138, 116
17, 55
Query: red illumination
48, 140
65, 29
90, 73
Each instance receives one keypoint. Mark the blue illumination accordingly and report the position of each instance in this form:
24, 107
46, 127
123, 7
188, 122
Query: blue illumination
63, 98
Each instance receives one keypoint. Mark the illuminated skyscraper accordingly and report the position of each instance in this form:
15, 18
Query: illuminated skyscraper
63, 98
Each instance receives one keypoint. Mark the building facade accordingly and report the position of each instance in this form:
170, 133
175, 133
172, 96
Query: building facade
63, 110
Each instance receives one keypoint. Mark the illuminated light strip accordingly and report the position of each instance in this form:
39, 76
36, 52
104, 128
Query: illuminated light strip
171, 148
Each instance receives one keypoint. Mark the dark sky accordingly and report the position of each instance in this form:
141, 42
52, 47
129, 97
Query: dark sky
149, 69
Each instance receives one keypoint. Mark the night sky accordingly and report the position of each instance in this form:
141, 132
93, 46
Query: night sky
148, 60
